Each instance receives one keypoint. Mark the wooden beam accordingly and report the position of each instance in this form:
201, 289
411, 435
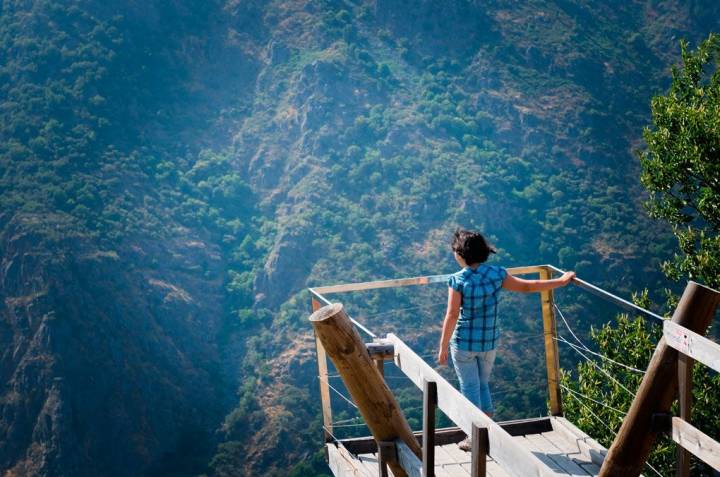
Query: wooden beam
403, 282
522, 427
692, 344
341, 462
408, 460
552, 360
584, 442
685, 370
633, 443
380, 365
704, 447
480, 448
380, 349
386, 454
428, 443
368, 389
510, 454
377, 284
367, 445
324, 385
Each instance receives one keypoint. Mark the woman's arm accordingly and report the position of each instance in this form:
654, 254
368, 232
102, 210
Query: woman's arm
451, 317
527, 286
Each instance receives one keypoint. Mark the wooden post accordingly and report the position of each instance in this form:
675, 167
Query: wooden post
368, 389
324, 385
380, 351
631, 447
380, 365
480, 449
685, 376
386, 453
552, 360
428, 443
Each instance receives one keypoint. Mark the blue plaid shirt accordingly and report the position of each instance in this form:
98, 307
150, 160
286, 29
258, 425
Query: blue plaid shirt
476, 329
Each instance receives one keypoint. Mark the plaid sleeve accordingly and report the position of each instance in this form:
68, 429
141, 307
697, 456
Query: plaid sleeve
501, 273
454, 283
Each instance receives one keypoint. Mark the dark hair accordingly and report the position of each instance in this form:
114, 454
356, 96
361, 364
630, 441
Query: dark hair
471, 246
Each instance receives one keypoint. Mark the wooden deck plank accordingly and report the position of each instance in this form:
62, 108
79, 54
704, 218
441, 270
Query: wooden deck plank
558, 454
588, 446
465, 459
565, 450
369, 463
441, 472
456, 470
492, 469
590, 468
538, 452
343, 463
458, 455
442, 456
579, 454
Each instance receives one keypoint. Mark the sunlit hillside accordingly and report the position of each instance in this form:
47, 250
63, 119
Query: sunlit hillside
174, 174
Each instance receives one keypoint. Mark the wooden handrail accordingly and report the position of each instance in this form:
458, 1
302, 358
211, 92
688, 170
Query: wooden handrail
701, 445
691, 347
404, 282
657, 391
692, 344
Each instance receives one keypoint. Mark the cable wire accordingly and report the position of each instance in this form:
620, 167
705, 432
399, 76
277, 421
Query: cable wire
340, 426
362, 327
605, 372
567, 325
577, 348
579, 394
585, 348
398, 310
338, 392
344, 421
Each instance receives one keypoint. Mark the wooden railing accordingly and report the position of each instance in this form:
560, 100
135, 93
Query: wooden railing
667, 372
691, 347
319, 299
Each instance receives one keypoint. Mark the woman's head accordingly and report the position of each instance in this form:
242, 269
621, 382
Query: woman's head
471, 246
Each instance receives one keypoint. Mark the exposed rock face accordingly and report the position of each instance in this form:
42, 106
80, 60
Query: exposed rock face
90, 376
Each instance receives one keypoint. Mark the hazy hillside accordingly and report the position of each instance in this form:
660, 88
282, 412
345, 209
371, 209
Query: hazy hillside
174, 174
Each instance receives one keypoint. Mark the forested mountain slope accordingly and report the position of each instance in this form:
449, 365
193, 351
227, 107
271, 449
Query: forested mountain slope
174, 174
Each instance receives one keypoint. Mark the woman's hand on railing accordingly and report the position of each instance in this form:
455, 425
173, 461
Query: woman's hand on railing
567, 277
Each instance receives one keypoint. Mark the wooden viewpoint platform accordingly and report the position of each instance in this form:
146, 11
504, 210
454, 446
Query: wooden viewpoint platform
541, 447
562, 447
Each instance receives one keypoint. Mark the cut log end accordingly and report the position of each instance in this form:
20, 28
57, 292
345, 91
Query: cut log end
326, 312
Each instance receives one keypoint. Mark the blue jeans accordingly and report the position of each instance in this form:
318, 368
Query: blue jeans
473, 369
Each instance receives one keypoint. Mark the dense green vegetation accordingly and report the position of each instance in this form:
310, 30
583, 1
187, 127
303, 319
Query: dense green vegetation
681, 166
680, 169
208, 160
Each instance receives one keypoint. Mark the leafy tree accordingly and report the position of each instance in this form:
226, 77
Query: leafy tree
681, 170
681, 166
